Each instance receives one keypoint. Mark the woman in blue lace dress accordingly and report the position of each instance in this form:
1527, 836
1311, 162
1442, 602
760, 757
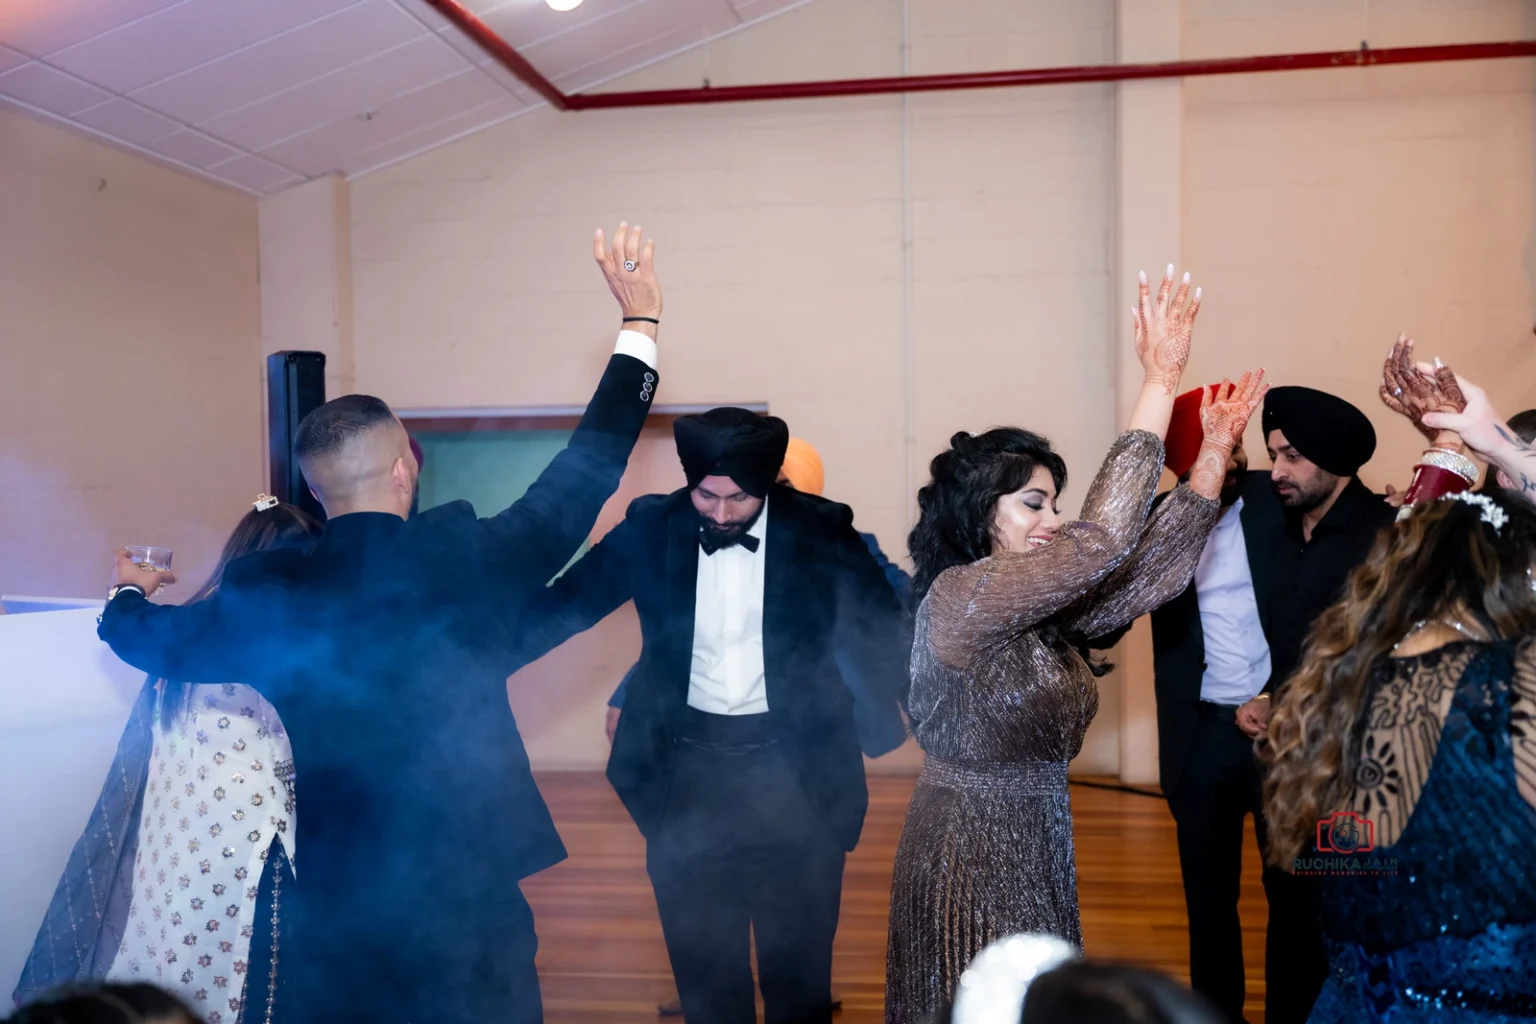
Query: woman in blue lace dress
1403, 754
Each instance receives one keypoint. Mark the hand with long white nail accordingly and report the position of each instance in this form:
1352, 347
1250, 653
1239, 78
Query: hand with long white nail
1163, 329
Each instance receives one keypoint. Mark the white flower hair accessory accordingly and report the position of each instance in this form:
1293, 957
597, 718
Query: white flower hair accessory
1492, 514
991, 991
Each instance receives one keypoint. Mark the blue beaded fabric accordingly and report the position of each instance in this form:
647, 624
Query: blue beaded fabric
1441, 924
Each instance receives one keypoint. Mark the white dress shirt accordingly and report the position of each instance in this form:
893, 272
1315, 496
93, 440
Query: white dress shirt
641, 346
1236, 653
726, 677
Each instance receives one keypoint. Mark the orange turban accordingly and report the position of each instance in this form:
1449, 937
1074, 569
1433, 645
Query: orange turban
802, 466
1185, 434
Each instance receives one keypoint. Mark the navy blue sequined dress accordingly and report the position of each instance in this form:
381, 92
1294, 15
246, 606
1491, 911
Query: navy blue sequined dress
1445, 930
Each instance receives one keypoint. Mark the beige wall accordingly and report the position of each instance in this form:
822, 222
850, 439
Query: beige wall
886, 271
1327, 211
130, 400
780, 233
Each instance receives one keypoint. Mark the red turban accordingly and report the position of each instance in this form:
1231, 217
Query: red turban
1185, 434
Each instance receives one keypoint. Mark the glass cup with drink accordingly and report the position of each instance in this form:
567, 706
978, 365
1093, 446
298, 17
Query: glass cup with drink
151, 559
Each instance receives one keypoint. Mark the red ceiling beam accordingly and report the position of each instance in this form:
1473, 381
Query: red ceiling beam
1054, 76
514, 62
469, 23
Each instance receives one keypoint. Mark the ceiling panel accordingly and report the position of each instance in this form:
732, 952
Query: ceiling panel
40, 27
628, 31
184, 36
424, 139
262, 94
327, 148
351, 91
194, 148
336, 41
126, 120
523, 24
11, 59
49, 89
256, 174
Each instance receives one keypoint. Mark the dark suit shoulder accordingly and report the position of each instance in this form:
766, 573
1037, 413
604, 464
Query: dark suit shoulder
649, 507
821, 513
262, 567
448, 512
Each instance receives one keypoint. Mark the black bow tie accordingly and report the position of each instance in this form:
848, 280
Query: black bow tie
711, 545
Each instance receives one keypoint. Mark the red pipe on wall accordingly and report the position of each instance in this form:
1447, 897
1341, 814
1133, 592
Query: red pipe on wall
514, 62
1054, 76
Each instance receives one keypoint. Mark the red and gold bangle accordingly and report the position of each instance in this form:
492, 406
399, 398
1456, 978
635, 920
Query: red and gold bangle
1440, 472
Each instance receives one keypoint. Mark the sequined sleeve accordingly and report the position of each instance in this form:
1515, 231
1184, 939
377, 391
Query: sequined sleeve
1158, 569
972, 608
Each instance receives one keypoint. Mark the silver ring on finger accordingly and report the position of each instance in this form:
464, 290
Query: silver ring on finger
631, 266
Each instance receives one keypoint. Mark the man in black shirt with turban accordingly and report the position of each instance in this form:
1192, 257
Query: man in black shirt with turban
737, 753
1317, 444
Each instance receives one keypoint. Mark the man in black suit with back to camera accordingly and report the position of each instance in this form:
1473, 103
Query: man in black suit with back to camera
386, 651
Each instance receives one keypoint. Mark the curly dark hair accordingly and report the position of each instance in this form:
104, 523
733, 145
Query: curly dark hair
1441, 560
958, 506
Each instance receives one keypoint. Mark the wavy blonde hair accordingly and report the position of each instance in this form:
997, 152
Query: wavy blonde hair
1443, 559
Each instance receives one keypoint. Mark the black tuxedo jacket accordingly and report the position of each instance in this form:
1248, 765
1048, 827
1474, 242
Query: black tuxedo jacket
386, 651
1178, 640
822, 591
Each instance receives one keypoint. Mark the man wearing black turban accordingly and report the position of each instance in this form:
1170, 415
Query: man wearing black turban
738, 754
1317, 443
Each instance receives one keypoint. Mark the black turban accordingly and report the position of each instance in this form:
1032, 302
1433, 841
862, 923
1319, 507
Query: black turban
736, 443
1329, 432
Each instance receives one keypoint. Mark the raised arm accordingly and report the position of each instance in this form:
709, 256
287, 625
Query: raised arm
194, 643
976, 606
1162, 329
538, 534
1168, 551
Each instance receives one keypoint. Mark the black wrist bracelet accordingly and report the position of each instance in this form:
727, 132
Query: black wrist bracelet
641, 320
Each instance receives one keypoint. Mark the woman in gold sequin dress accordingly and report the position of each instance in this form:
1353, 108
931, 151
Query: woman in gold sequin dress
1001, 691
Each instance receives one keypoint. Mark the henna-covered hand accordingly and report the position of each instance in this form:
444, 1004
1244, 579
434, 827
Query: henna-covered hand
1414, 390
1224, 414
1163, 329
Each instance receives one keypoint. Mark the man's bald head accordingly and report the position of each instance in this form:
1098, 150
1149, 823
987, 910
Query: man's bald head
357, 457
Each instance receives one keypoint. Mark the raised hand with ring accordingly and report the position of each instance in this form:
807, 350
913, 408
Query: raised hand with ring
630, 270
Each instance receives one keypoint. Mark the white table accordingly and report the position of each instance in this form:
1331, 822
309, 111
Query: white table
64, 699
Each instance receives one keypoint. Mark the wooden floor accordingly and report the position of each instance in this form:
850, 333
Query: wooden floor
601, 957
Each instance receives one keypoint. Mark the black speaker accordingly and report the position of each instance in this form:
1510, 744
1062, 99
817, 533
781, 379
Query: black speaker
295, 387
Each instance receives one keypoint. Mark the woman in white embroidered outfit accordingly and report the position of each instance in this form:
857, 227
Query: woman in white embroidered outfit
204, 783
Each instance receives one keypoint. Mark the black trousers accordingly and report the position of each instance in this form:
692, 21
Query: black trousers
739, 855
1219, 787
